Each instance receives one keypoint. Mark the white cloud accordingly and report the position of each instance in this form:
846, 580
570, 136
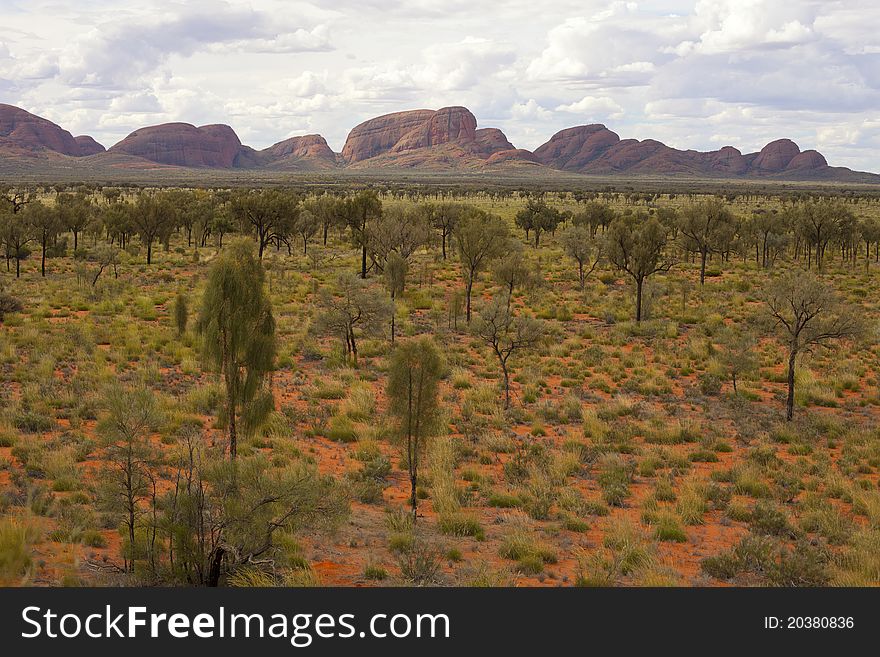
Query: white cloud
593, 107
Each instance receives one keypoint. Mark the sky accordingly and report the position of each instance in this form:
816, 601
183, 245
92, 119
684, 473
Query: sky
700, 74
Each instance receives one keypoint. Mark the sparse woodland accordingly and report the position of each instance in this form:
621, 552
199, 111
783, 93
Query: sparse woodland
421, 386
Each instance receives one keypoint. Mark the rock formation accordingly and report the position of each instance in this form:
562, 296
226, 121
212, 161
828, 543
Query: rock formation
437, 140
88, 146
22, 131
596, 150
182, 144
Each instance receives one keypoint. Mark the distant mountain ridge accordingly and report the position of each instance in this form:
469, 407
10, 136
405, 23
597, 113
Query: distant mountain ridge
433, 140
596, 149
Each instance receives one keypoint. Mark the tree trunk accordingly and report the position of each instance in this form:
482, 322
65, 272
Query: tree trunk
363, 261
470, 286
703, 255
789, 402
43, 257
639, 300
216, 562
354, 350
413, 498
233, 433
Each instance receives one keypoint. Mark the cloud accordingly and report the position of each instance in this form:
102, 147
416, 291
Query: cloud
694, 73
118, 53
593, 107
733, 25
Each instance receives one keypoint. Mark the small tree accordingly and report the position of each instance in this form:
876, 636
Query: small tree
413, 394
806, 314
307, 225
635, 243
444, 217
594, 215
44, 224
353, 307
131, 415
15, 235
222, 518
75, 213
738, 354
153, 220
514, 270
327, 209
105, 255
579, 245
270, 214
707, 227
399, 230
538, 217
359, 212
396, 268
480, 238
181, 312
506, 334
238, 332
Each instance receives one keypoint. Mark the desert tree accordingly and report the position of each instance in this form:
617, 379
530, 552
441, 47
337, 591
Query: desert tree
414, 374
738, 354
15, 235
238, 332
270, 214
770, 231
195, 210
327, 209
635, 245
818, 223
204, 213
396, 268
513, 270
444, 217
581, 246
538, 217
869, 229
359, 212
76, 212
222, 223
306, 226
506, 334
181, 312
706, 227
222, 518
480, 237
400, 230
806, 313
594, 215
131, 416
117, 222
669, 219
350, 308
152, 218
43, 223
16, 198
103, 256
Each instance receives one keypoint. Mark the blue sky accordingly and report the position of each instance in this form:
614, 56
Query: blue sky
697, 75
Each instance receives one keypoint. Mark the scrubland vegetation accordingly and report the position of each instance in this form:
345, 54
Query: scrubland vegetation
408, 387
